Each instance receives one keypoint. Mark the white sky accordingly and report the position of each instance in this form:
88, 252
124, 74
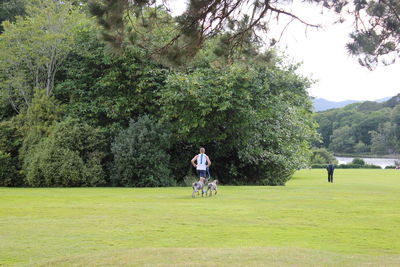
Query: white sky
325, 59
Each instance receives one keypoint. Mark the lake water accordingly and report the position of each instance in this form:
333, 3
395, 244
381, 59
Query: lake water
375, 161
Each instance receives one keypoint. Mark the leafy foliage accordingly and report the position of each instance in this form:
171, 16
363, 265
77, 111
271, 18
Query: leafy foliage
70, 156
8, 171
244, 117
35, 123
322, 156
10, 143
9, 9
347, 166
366, 127
140, 156
251, 113
376, 32
358, 161
379, 34
106, 89
32, 49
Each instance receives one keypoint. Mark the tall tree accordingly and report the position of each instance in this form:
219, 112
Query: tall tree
383, 141
255, 121
32, 49
342, 140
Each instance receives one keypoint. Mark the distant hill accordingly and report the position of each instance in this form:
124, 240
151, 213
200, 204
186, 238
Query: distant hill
392, 102
321, 104
383, 99
367, 127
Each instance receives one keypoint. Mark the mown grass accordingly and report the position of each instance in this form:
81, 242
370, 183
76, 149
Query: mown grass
353, 222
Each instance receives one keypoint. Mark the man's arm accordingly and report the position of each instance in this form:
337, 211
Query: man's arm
208, 161
192, 161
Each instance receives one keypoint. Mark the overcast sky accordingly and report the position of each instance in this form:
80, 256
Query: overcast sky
325, 59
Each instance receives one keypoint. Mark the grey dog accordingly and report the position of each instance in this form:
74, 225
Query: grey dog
197, 186
212, 186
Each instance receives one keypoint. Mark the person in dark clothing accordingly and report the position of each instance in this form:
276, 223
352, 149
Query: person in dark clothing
330, 167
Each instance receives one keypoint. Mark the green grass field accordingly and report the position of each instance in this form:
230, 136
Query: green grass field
309, 222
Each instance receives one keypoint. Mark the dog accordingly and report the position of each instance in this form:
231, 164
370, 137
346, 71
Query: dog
212, 186
197, 186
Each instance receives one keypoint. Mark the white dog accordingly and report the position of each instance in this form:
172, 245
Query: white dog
212, 186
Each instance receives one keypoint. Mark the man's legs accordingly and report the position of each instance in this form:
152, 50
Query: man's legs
201, 173
330, 177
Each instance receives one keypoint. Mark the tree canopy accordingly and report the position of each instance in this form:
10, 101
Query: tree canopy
10, 9
130, 119
367, 127
33, 48
376, 24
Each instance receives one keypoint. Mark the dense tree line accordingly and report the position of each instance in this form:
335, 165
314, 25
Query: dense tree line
75, 113
362, 128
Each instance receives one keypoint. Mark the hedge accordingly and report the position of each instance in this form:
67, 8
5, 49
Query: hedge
347, 166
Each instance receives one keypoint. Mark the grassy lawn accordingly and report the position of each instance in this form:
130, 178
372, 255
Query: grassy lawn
353, 222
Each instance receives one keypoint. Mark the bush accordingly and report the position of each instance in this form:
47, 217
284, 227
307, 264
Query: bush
35, 124
349, 166
8, 171
140, 157
322, 156
318, 166
10, 142
10, 139
390, 167
358, 161
370, 166
358, 166
346, 166
70, 156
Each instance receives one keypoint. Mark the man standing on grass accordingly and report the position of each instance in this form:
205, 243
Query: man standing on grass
202, 162
330, 167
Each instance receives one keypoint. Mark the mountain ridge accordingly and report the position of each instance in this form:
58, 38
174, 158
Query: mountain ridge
322, 104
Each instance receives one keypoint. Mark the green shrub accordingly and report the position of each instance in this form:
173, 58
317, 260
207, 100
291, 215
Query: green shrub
322, 156
370, 166
10, 142
35, 124
317, 159
70, 156
140, 157
318, 166
358, 161
357, 166
10, 139
349, 166
390, 167
8, 171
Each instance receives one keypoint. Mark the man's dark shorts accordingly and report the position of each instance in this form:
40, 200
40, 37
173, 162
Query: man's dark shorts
201, 173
